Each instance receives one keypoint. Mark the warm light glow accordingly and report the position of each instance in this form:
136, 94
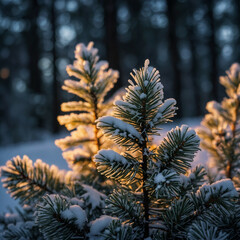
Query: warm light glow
4, 73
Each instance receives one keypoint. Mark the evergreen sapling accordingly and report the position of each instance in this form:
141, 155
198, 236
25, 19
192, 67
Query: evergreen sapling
158, 198
65, 204
220, 131
95, 80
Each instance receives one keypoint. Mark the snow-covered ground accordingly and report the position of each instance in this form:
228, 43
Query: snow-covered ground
49, 153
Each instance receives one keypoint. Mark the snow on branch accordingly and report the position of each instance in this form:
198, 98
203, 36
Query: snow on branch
177, 149
28, 182
120, 131
116, 166
74, 120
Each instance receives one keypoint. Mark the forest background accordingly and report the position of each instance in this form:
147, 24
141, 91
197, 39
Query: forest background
191, 42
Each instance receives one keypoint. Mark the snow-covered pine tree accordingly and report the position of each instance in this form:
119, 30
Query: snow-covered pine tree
58, 192
220, 131
156, 200
95, 80
65, 206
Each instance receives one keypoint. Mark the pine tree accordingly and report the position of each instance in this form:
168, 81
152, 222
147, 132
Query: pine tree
45, 188
51, 193
94, 82
220, 132
157, 197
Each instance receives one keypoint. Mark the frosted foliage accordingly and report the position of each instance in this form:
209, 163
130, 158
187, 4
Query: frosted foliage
93, 197
143, 95
225, 186
213, 107
79, 136
77, 214
168, 102
77, 201
98, 225
166, 183
11, 217
220, 127
74, 120
159, 178
77, 159
111, 156
149, 176
77, 153
202, 230
88, 63
234, 70
94, 80
167, 107
121, 127
35, 172
145, 89
83, 51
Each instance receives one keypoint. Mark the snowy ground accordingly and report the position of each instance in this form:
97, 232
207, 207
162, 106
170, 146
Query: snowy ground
48, 152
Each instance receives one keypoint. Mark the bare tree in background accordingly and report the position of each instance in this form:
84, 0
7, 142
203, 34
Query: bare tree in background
174, 54
111, 39
213, 50
32, 40
237, 2
55, 86
32, 44
194, 61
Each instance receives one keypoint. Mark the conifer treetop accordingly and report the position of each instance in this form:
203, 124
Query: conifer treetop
220, 127
94, 80
146, 174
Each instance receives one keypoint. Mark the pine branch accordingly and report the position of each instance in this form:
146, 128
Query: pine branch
178, 149
202, 230
122, 133
58, 219
76, 106
122, 205
22, 230
95, 81
219, 196
117, 230
178, 216
193, 181
73, 120
220, 128
124, 169
74, 140
137, 117
28, 182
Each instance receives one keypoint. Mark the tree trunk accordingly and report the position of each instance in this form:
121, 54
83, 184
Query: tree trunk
33, 50
55, 103
213, 51
194, 62
32, 41
238, 24
111, 40
174, 54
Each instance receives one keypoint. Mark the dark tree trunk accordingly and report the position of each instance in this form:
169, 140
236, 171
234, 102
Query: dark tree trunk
213, 51
237, 14
33, 50
174, 54
55, 89
111, 39
32, 42
137, 35
194, 62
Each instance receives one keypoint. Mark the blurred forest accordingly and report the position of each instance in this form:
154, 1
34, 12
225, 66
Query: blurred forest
190, 42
